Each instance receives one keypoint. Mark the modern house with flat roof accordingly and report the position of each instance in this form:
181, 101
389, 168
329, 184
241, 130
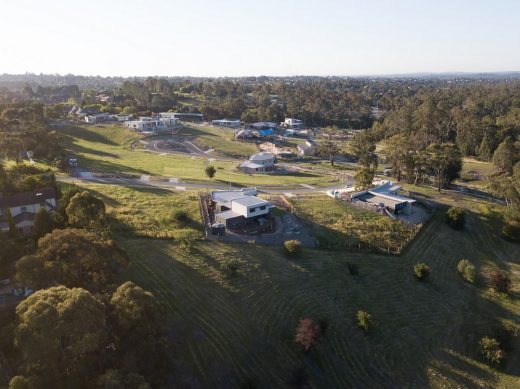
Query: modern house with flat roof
186, 116
24, 207
386, 195
235, 207
235, 123
262, 162
293, 123
152, 124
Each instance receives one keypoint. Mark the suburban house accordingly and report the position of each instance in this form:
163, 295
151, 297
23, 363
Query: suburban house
123, 118
97, 118
24, 207
185, 116
226, 123
293, 123
307, 149
264, 126
386, 195
262, 162
237, 207
152, 124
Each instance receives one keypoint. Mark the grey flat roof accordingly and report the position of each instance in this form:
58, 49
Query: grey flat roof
224, 196
251, 165
227, 215
251, 200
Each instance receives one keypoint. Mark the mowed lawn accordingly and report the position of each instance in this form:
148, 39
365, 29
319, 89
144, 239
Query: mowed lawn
108, 149
227, 330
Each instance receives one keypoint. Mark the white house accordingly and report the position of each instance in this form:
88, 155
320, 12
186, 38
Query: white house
307, 149
226, 123
24, 207
97, 118
236, 206
149, 124
262, 162
293, 123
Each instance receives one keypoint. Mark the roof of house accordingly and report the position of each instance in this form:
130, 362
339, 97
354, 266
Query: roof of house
228, 215
262, 156
251, 165
250, 200
27, 198
224, 196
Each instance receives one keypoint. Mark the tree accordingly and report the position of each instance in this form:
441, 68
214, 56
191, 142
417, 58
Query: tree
421, 271
328, 149
467, 270
43, 223
85, 211
364, 177
138, 322
455, 217
490, 349
500, 281
59, 334
307, 333
210, 171
364, 320
445, 161
292, 248
363, 147
505, 155
74, 258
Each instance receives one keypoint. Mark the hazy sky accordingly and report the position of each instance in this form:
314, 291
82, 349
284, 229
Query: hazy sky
258, 37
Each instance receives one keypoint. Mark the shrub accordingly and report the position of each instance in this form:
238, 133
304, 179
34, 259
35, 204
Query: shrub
511, 231
500, 281
292, 248
307, 333
455, 217
421, 271
467, 270
210, 171
230, 267
490, 348
364, 320
180, 216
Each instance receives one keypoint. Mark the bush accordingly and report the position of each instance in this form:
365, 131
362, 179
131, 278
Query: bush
364, 320
421, 271
180, 216
490, 348
307, 333
210, 171
500, 281
292, 248
455, 217
511, 231
230, 267
467, 270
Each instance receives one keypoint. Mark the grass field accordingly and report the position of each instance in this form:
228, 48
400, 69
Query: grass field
107, 149
228, 329
221, 140
339, 225
147, 212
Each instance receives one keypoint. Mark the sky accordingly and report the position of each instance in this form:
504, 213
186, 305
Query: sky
252, 37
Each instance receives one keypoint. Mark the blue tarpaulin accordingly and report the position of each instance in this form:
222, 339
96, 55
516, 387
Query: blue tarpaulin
266, 132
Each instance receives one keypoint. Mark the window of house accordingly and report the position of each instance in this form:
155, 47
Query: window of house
252, 210
262, 208
23, 209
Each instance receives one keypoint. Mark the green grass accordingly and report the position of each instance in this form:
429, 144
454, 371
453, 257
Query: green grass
107, 149
425, 334
147, 211
340, 225
221, 140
